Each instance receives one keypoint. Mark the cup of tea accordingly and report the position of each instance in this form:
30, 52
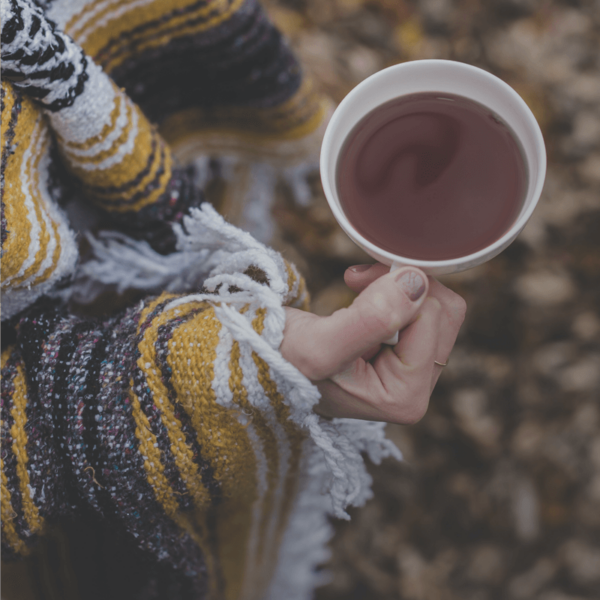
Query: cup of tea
433, 163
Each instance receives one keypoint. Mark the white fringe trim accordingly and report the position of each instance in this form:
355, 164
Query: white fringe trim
305, 542
216, 254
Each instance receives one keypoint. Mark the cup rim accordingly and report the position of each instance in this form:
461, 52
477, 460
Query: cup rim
493, 248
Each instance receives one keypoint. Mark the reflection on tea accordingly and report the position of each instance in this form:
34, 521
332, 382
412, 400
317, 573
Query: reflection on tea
431, 176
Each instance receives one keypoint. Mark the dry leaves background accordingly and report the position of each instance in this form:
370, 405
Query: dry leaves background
499, 497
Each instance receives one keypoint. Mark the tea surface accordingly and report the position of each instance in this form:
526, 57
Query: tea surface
431, 176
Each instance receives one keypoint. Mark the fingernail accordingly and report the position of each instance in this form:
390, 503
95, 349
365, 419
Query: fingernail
412, 284
360, 268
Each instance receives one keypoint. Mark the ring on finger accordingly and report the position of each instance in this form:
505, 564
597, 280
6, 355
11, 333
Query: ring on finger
439, 364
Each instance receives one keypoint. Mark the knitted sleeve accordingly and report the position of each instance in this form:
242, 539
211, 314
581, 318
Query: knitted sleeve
160, 422
106, 143
180, 423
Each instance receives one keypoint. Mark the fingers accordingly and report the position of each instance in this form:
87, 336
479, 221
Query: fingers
453, 314
419, 342
357, 278
396, 387
327, 345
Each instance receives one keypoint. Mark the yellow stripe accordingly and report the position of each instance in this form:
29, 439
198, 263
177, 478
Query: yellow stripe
74, 20
16, 246
293, 433
19, 448
301, 293
57, 248
150, 198
97, 38
163, 40
267, 437
251, 125
224, 442
8, 514
130, 165
152, 460
9, 102
192, 352
32, 173
155, 470
151, 305
5, 356
291, 277
125, 26
183, 454
153, 466
128, 168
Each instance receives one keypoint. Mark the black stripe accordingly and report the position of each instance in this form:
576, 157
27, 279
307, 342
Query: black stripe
165, 333
90, 395
36, 23
153, 414
34, 328
66, 355
123, 188
158, 428
241, 63
124, 41
14, 25
74, 92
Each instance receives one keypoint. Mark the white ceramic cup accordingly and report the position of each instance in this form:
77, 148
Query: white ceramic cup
443, 76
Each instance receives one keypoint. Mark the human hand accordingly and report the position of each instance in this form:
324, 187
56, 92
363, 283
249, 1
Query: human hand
358, 376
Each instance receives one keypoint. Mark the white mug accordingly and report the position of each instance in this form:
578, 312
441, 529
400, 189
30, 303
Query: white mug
444, 76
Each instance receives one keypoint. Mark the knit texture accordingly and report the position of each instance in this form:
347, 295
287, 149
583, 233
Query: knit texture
252, 86
180, 422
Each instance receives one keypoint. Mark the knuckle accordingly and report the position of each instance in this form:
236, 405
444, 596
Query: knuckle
457, 307
316, 367
314, 364
381, 315
433, 304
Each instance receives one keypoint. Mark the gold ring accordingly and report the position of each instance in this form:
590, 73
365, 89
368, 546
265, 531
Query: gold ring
435, 362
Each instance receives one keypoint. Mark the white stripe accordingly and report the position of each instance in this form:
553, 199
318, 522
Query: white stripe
62, 11
224, 397
108, 141
90, 112
258, 398
117, 157
304, 544
42, 172
66, 237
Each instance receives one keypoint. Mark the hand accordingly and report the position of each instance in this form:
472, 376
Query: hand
357, 375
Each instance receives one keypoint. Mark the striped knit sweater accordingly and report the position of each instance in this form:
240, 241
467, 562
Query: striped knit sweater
215, 74
176, 424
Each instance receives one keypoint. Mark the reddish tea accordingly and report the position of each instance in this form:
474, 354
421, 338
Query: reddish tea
431, 176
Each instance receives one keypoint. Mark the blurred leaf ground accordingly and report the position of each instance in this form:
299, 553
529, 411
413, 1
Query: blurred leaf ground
499, 496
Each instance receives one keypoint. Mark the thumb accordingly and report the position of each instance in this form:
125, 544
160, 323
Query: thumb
387, 305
